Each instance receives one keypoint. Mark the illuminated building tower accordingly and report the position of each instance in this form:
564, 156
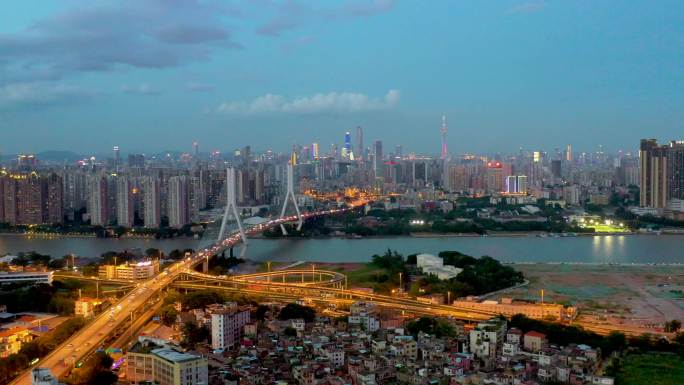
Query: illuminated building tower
152, 202
347, 143
662, 172
124, 202
568, 153
178, 201
117, 157
443, 132
495, 176
55, 192
9, 198
195, 149
98, 209
360, 150
377, 159
306, 153
314, 146
293, 157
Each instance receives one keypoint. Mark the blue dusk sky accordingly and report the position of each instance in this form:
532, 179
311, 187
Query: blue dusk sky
155, 75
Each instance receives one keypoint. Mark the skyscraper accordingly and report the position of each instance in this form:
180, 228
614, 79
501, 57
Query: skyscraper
124, 202
377, 159
568, 153
556, 168
443, 132
347, 143
662, 172
97, 200
178, 201
152, 202
314, 146
195, 149
360, 149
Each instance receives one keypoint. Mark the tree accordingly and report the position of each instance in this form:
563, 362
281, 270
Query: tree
201, 298
290, 331
293, 311
168, 314
673, 326
56, 264
615, 341
193, 334
261, 311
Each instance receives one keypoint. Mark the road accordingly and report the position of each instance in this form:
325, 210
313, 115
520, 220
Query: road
96, 331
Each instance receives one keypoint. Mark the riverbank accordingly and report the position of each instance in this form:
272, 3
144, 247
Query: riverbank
638, 297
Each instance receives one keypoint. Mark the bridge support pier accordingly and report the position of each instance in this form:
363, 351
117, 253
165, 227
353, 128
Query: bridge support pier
205, 266
231, 206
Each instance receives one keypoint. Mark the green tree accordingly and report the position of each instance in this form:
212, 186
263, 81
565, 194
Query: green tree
293, 311
194, 334
673, 326
168, 314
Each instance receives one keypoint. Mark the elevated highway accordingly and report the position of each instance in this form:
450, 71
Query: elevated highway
329, 286
134, 304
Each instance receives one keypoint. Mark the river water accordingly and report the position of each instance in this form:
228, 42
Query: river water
583, 249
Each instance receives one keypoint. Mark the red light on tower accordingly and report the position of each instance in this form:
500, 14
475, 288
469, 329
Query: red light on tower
494, 165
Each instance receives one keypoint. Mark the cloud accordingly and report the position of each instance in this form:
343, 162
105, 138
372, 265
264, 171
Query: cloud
41, 94
317, 103
290, 15
110, 35
528, 7
198, 87
141, 89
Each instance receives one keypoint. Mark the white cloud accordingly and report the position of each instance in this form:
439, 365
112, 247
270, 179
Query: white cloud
317, 103
39, 93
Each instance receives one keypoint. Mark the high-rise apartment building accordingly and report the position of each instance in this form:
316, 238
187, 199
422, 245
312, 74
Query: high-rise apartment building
378, 159
124, 202
360, 152
516, 184
31, 199
662, 172
151, 202
227, 324
178, 201
98, 207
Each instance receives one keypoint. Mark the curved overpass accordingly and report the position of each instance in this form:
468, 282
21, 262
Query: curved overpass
135, 303
326, 290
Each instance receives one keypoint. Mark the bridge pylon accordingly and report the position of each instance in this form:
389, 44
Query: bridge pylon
290, 195
231, 206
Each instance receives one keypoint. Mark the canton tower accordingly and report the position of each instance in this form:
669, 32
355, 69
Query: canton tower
443, 131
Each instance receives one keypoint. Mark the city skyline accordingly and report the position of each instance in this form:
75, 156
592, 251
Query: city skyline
524, 72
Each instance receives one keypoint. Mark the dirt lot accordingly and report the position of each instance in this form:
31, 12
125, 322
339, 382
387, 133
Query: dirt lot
635, 295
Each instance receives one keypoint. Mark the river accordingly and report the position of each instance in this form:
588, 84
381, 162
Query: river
583, 249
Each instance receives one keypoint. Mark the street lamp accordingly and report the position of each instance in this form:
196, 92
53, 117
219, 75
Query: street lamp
400, 285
